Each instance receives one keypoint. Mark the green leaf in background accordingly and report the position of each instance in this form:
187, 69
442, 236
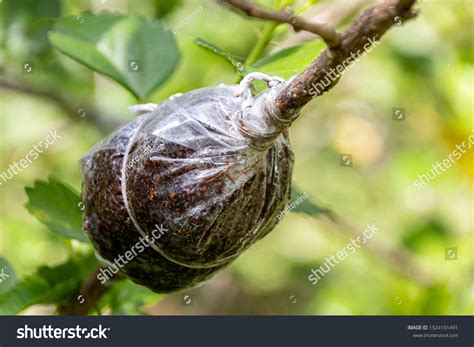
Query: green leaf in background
48, 285
7, 276
229, 58
279, 4
56, 205
164, 8
290, 61
136, 52
128, 298
25, 25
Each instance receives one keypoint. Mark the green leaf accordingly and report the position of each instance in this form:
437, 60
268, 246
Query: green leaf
7, 276
290, 61
128, 298
56, 205
25, 25
229, 58
137, 53
164, 8
48, 285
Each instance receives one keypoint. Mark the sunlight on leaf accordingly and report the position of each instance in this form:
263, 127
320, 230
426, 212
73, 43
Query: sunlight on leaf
290, 61
139, 54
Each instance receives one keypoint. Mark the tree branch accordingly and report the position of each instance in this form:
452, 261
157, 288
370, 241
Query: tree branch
325, 31
87, 296
370, 26
74, 111
335, 12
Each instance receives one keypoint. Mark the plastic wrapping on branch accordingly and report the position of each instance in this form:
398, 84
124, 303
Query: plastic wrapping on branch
188, 185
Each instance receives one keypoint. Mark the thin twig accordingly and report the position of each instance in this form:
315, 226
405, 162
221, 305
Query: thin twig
335, 13
75, 111
325, 31
88, 296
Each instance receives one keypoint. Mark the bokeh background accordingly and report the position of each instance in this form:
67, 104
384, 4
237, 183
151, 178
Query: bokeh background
425, 68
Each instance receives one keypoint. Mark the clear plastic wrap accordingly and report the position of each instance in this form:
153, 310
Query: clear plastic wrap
211, 165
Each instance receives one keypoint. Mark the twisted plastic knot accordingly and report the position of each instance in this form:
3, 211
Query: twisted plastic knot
260, 121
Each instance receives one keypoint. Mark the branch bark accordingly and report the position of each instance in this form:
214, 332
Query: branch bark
87, 296
370, 26
335, 12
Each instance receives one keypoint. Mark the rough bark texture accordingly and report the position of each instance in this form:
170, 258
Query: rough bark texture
371, 25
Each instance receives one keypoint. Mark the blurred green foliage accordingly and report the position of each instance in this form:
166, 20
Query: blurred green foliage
424, 67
